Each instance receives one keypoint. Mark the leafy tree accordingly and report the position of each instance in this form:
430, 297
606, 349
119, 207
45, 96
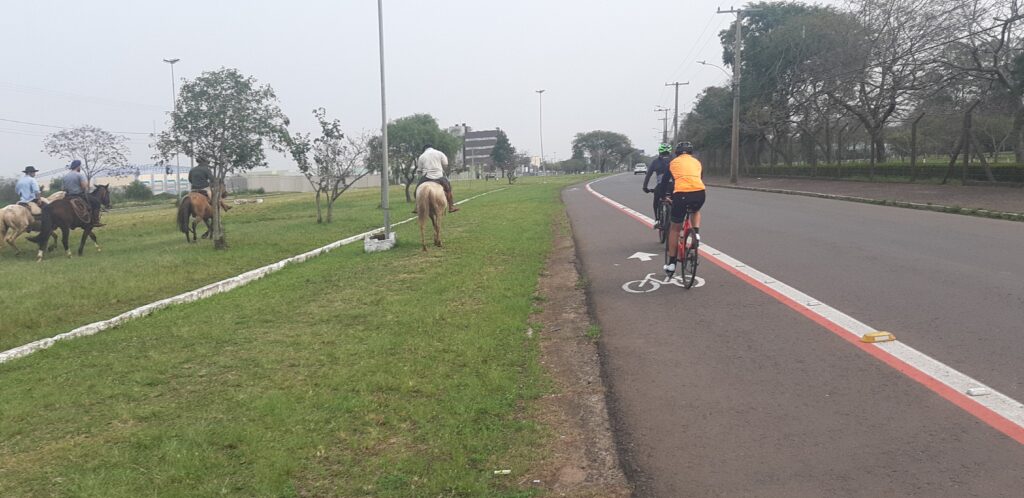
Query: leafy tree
7, 193
227, 118
604, 148
406, 137
138, 191
503, 154
99, 150
338, 161
56, 184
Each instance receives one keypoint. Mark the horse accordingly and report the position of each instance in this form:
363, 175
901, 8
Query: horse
17, 219
61, 214
198, 206
431, 202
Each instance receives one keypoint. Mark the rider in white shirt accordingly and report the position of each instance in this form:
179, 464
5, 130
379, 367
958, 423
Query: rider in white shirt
431, 165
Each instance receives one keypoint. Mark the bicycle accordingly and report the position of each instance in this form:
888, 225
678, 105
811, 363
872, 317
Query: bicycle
686, 251
663, 220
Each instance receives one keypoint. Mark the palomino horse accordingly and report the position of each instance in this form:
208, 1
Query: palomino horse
61, 214
17, 219
198, 207
431, 202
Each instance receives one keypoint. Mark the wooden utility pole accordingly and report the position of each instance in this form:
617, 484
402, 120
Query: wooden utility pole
675, 118
664, 122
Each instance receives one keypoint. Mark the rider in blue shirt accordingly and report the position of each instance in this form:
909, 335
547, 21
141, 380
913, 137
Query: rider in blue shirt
658, 167
27, 187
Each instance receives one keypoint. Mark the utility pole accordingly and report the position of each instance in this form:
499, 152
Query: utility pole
735, 159
675, 118
384, 201
664, 122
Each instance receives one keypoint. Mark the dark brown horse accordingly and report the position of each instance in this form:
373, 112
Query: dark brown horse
61, 214
198, 207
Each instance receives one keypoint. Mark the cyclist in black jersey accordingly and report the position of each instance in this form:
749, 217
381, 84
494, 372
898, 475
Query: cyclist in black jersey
658, 167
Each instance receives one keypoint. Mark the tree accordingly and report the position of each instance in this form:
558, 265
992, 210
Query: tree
7, 193
503, 154
138, 191
603, 148
226, 118
99, 150
338, 161
406, 137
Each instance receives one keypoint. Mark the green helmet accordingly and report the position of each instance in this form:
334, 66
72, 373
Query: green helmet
664, 149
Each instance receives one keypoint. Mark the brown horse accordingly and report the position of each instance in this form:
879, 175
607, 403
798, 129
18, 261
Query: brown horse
431, 202
61, 214
198, 207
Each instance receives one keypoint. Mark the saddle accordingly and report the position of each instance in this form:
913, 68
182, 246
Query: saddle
32, 207
81, 209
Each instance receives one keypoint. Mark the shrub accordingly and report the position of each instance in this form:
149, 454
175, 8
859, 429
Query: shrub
137, 191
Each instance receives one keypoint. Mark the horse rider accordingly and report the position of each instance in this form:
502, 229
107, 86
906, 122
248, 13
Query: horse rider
28, 188
77, 185
431, 165
200, 177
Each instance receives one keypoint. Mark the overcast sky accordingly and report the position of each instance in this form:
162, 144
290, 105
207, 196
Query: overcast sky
603, 64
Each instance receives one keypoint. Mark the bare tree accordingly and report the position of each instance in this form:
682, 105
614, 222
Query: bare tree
99, 150
338, 161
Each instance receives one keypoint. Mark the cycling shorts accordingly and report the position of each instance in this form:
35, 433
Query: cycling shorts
686, 201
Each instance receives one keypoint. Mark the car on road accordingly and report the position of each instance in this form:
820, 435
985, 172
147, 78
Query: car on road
640, 169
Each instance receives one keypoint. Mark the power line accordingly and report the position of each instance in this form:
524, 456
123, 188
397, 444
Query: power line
69, 95
70, 127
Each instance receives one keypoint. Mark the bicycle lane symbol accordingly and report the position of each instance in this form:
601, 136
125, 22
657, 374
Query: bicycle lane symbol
650, 283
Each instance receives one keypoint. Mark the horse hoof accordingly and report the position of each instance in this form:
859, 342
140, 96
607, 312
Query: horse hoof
99, 249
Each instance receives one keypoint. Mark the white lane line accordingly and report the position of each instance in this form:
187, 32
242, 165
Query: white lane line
995, 402
195, 295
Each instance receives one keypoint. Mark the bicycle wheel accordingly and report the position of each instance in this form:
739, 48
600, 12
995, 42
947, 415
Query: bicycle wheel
663, 230
689, 262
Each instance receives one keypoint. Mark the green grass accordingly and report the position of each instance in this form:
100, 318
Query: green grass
145, 258
392, 374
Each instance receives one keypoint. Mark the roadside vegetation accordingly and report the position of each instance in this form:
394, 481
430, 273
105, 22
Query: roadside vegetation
145, 258
391, 374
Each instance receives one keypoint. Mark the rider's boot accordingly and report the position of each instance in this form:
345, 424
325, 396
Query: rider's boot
96, 219
451, 204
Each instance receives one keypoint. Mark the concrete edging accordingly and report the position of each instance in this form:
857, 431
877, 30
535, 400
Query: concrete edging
194, 295
984, 213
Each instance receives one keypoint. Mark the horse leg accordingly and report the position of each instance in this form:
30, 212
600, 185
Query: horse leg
436, 219
52, 246
65, 232
92, 235
209, 226
85, 235
423, 238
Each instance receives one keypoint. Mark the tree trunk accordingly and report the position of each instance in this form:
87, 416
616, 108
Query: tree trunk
408, 184
913, 148
220, 241
319, 217
1018, 132
330, 209
980, 154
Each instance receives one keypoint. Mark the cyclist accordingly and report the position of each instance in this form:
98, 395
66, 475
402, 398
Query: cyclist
687, 195
658, 167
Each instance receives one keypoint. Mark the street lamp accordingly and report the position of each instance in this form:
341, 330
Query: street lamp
540, 101
384, 127
177, 157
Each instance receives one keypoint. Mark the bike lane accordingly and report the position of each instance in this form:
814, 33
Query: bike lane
723, 391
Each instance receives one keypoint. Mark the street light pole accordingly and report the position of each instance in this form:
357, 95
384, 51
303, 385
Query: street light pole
177, 157
384, 127
540, 101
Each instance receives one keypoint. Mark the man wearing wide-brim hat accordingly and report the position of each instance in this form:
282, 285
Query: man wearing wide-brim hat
27, 187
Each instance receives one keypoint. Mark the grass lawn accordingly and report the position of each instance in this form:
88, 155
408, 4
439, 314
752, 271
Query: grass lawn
145, 258
392, 374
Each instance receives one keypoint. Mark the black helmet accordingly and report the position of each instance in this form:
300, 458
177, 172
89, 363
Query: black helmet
684, 148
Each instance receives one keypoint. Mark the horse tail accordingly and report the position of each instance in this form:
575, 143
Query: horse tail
184, 211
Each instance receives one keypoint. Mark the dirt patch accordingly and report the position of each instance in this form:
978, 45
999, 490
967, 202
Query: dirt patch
583, 461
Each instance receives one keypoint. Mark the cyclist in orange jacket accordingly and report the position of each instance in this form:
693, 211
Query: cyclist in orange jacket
687, 195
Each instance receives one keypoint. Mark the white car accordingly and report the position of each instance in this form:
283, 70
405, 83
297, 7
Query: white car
640, 169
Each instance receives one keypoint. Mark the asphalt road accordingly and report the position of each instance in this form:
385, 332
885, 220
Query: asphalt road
723, 390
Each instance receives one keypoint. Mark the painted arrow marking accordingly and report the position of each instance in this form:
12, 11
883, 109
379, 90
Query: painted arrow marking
642, 256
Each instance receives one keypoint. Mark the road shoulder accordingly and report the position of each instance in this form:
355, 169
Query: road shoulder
582, 461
